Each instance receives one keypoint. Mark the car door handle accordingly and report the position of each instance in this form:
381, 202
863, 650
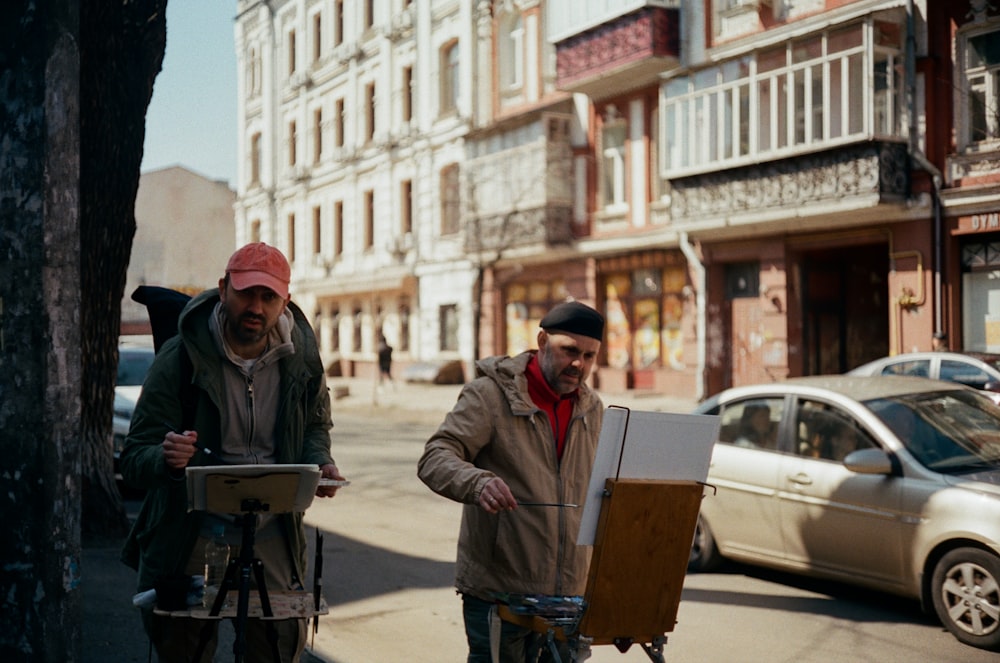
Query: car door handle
801, 479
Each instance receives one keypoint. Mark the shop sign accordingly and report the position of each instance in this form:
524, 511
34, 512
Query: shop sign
978, 223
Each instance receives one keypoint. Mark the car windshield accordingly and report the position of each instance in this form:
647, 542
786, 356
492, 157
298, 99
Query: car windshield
952, 432
133, 365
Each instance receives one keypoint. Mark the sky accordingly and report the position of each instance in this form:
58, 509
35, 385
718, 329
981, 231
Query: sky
191, 120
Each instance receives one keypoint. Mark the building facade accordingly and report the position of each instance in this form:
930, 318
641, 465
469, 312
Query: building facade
747, 189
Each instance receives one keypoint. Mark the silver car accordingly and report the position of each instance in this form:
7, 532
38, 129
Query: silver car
974, 369
133, 364
891, 483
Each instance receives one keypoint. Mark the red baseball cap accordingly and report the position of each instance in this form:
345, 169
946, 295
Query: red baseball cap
259, 264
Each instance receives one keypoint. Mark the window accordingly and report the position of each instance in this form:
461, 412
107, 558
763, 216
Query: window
317, 238
752, 424
448, 328
826, 432
338, 123
338, 228
981, 63
255, 159
317, 24
838, 85
255, 231
742, 280
292, 157
369, 13
406, 97
406, 207
338, 22
450, 200
511, 60
369, 220
291, 238
317, 135
449, 77
291, 52
356, 322
613, 161
369, 112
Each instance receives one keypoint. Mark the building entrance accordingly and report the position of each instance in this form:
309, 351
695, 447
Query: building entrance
845, 307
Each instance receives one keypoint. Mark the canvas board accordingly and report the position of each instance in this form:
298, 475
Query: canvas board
222, 488
636, 444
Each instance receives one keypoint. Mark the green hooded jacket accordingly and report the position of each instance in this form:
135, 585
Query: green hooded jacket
164, 533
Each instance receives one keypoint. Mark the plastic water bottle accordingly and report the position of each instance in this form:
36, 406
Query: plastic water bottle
216, 561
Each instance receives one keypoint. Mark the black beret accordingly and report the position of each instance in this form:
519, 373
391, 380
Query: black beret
575, 318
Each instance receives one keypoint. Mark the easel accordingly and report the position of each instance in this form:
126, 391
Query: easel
641, 550
248, 491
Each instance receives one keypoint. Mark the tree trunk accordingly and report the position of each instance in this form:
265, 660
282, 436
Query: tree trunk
121, 52
76, 80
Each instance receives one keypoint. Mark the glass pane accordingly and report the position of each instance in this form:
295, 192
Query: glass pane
800, 106
677, 86
726, 117
782, 110
977, 108
751, 424
841, 40
806, 50
734, 70
883, 96
837, 96
764, 115
771, 60
855, 86
706, 78
743, 93
818, 107
984, 50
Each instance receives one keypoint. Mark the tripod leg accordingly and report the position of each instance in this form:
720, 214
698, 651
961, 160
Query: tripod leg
265, 600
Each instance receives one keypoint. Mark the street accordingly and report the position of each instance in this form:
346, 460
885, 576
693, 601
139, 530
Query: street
390, 543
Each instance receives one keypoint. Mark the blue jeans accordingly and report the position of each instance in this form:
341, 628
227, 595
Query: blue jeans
517, 644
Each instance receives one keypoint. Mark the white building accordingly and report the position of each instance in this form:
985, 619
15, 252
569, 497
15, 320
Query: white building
353, 120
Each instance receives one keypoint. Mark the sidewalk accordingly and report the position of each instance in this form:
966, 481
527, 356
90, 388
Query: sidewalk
111, 628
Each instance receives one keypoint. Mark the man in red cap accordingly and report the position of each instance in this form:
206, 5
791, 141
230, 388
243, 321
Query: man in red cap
242, 382
517, 449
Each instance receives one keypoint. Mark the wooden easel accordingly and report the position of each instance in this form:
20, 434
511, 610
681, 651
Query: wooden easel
642, 546
637, 571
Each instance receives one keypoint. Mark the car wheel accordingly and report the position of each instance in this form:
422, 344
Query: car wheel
966, 591
704, 553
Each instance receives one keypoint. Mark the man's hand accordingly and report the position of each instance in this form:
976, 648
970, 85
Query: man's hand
329, 471
496, 496
178, 448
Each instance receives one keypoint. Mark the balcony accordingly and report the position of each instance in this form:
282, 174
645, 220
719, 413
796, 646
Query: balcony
628, 52
852, 182
521, 196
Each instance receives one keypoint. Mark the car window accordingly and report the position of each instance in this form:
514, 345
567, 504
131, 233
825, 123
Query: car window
916, 367
963, 373
951, 432
827, 432
751, 423
133, 366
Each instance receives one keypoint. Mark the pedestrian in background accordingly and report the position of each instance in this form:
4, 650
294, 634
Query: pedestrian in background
522, 434
940, 342
258, 396
384, 359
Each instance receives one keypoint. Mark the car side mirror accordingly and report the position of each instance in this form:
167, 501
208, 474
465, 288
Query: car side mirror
869, 461
992, 386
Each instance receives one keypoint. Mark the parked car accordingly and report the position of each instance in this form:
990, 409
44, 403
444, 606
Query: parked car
133, 364
892, 483
975, 369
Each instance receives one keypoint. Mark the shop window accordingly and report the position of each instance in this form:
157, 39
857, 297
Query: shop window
644, 310
525, 305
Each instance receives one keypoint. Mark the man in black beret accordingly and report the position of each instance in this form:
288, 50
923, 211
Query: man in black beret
517, 450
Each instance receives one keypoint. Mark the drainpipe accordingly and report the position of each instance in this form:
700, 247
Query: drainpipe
699, 293
918, 157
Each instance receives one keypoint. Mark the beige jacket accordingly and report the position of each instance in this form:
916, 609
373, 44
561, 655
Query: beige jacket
495, 430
